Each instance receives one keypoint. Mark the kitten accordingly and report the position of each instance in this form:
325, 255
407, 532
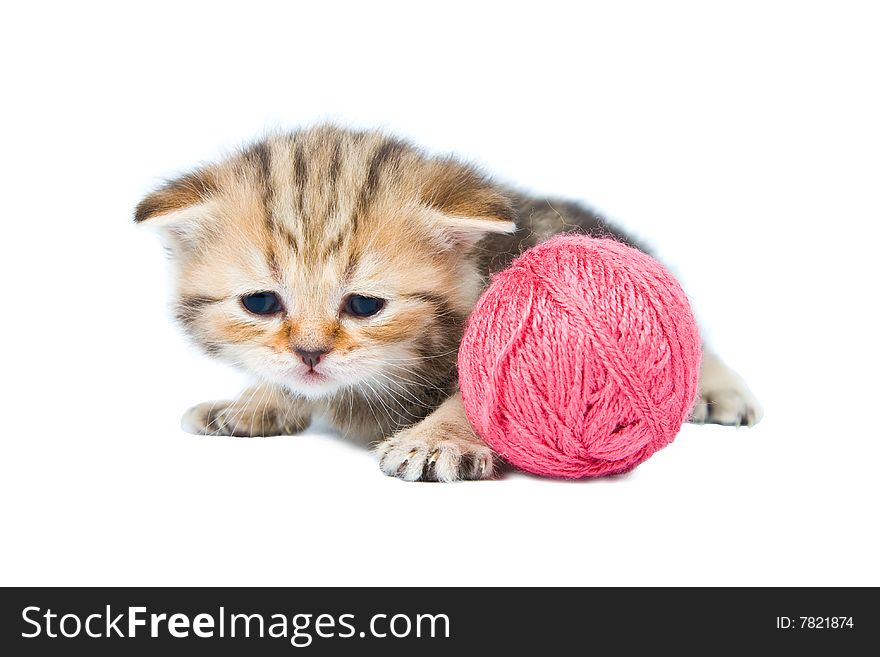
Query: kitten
338, 268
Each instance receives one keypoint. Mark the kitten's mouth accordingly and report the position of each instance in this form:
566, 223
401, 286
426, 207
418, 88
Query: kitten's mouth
313, 376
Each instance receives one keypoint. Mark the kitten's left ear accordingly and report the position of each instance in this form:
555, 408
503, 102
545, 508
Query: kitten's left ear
177, 208
465, 205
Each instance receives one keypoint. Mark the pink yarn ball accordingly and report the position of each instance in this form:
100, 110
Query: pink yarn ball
580, 360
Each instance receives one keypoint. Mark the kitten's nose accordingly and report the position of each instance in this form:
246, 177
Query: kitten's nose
309, 357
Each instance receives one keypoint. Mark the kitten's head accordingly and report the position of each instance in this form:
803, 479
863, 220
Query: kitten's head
327, 258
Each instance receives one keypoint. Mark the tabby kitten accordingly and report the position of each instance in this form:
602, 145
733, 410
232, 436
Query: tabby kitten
338, 268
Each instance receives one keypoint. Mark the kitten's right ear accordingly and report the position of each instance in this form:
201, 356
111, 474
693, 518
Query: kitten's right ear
177, 209
465, 204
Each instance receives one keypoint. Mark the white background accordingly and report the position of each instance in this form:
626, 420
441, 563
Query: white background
743, 143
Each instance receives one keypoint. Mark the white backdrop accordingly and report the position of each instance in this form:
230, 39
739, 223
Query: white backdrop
741, 142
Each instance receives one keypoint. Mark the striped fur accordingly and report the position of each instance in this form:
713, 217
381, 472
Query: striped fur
316, 215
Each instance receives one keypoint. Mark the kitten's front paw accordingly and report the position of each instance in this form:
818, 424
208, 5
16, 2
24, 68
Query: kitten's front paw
436, 453
224, 418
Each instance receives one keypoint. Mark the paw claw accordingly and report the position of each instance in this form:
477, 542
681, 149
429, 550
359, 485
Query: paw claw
420, 455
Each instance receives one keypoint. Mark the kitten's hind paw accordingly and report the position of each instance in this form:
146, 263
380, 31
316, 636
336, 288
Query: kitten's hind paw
732, 407
724, 397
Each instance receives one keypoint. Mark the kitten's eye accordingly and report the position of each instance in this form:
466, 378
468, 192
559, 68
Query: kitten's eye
363, 306
262, 303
